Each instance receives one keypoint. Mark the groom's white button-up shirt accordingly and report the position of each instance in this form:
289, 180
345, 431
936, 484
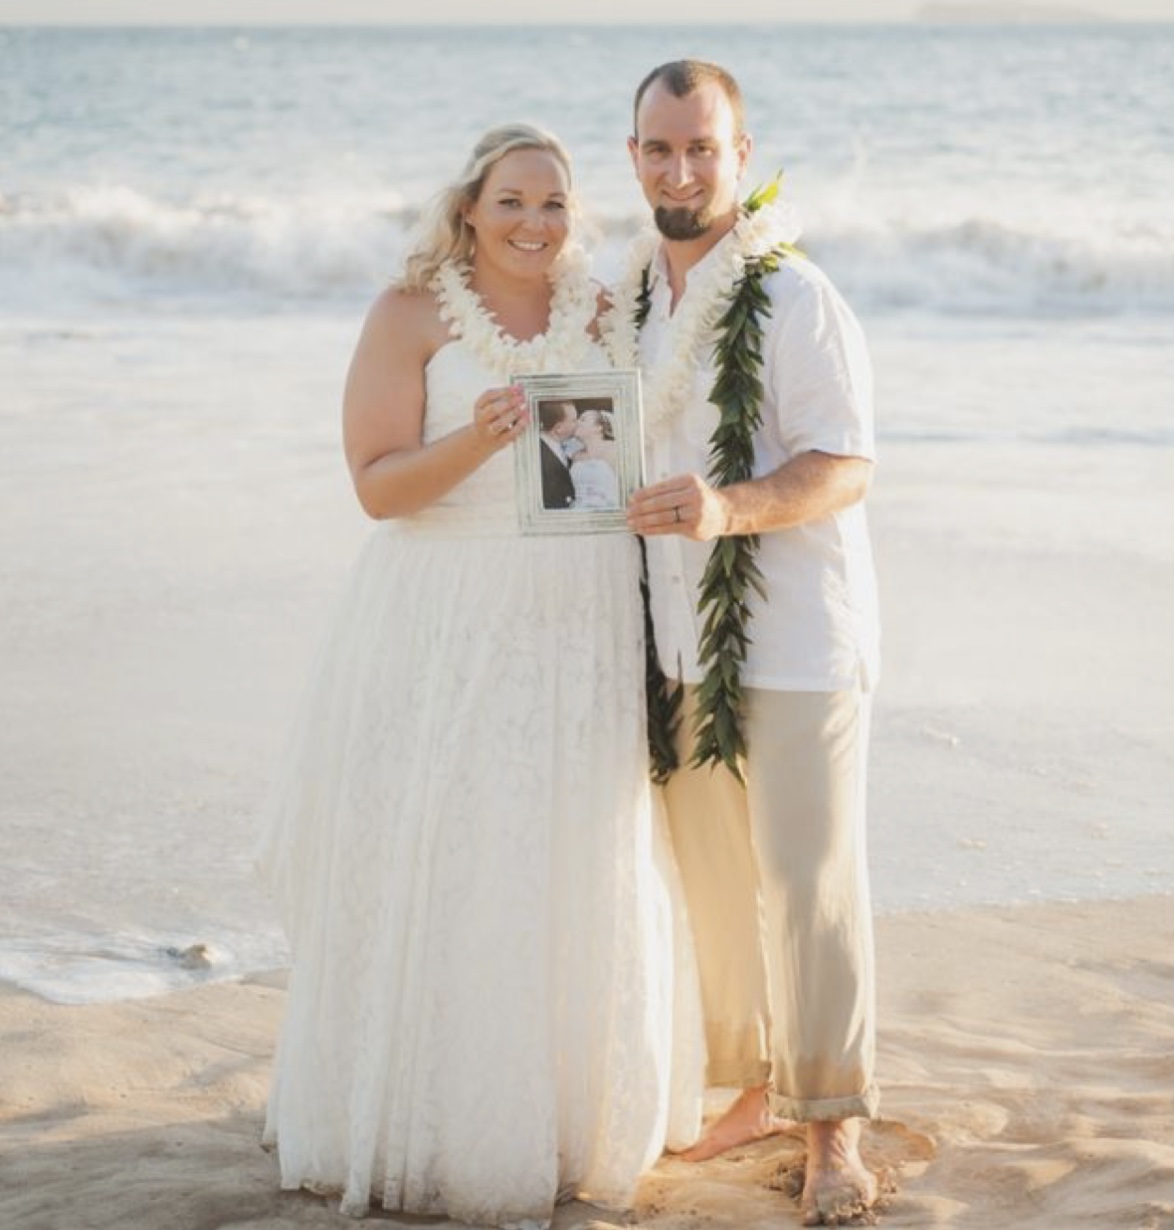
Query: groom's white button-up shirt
818, 630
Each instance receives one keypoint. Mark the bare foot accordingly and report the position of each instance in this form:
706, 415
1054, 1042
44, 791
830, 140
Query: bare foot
748, 1119
838, 1189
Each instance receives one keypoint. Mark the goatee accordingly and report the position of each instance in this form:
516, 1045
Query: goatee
682, 223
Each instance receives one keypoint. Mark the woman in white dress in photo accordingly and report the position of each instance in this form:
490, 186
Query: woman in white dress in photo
481, 1004
593, 467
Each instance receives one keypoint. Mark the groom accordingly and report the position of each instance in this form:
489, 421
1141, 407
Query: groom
556, 425
774, 870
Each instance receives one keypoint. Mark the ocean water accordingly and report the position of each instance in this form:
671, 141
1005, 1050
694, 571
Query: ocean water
954, 170
191, 225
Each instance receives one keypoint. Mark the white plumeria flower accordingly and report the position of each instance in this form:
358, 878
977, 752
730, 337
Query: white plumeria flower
668, 386
561, 348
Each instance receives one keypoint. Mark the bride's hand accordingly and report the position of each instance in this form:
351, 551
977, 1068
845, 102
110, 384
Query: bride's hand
500, 416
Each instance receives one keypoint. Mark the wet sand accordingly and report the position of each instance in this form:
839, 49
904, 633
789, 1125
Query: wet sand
1026, 1058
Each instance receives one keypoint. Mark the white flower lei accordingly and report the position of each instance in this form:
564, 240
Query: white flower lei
669, 385
560, 348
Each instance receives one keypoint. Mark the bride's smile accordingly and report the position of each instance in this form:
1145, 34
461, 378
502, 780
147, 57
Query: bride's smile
520, 220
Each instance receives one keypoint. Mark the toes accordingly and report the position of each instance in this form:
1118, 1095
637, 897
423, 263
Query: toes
843, 1204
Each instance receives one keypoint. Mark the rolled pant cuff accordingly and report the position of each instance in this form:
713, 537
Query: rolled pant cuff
827, 1110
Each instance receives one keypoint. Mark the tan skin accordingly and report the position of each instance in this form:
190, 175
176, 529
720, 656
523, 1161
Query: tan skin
520, 224
688, 154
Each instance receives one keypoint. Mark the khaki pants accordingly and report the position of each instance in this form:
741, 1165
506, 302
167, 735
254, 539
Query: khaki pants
776, 882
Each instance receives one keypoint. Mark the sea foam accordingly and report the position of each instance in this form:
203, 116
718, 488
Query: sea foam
114, 242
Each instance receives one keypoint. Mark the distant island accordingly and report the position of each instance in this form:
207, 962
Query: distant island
1009, 13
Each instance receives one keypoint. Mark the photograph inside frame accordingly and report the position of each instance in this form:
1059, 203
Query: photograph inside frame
582, 455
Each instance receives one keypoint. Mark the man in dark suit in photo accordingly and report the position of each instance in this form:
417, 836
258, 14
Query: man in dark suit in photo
556, 423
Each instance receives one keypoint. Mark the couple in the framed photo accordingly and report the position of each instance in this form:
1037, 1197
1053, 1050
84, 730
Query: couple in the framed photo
581, 458
518, 960
578, 456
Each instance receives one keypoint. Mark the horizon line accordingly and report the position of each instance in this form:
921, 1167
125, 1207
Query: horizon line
1092, 19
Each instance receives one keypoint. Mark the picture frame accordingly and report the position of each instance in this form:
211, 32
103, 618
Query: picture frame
582, 453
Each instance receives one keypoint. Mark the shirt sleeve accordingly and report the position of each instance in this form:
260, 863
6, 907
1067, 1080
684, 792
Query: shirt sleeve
817, 373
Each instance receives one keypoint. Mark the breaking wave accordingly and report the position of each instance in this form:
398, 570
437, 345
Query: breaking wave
118, 244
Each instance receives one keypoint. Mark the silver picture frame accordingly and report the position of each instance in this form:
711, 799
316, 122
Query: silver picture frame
582, 453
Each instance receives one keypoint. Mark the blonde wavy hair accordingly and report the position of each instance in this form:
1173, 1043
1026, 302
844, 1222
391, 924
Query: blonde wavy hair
444, 233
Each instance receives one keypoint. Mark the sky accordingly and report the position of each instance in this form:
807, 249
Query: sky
462, 12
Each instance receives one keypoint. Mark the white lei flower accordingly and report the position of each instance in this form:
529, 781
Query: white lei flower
669, 385
560, 348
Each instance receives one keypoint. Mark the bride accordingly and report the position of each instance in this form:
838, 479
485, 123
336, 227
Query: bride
593, 468
480, 1015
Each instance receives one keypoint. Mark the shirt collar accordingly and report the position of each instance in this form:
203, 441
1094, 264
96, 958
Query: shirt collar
659, 273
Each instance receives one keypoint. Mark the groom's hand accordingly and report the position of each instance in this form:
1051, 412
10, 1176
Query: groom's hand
684, 504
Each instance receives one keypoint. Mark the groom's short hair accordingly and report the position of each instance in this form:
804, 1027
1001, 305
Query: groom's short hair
552, 413
682, 77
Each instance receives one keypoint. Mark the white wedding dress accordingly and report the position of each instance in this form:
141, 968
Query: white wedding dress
484, 1012
596, 483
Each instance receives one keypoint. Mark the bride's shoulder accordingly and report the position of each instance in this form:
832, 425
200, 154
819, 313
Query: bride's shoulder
408, 319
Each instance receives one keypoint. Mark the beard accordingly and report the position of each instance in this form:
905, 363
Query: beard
682, 223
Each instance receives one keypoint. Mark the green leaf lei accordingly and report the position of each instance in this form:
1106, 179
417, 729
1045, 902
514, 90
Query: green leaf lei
732, 570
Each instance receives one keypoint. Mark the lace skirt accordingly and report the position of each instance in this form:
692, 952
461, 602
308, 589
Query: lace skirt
490, 967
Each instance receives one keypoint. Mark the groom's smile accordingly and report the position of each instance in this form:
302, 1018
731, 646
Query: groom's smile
689, 156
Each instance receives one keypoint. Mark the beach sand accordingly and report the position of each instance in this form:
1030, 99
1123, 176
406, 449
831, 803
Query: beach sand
1026, 1058
162, 593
